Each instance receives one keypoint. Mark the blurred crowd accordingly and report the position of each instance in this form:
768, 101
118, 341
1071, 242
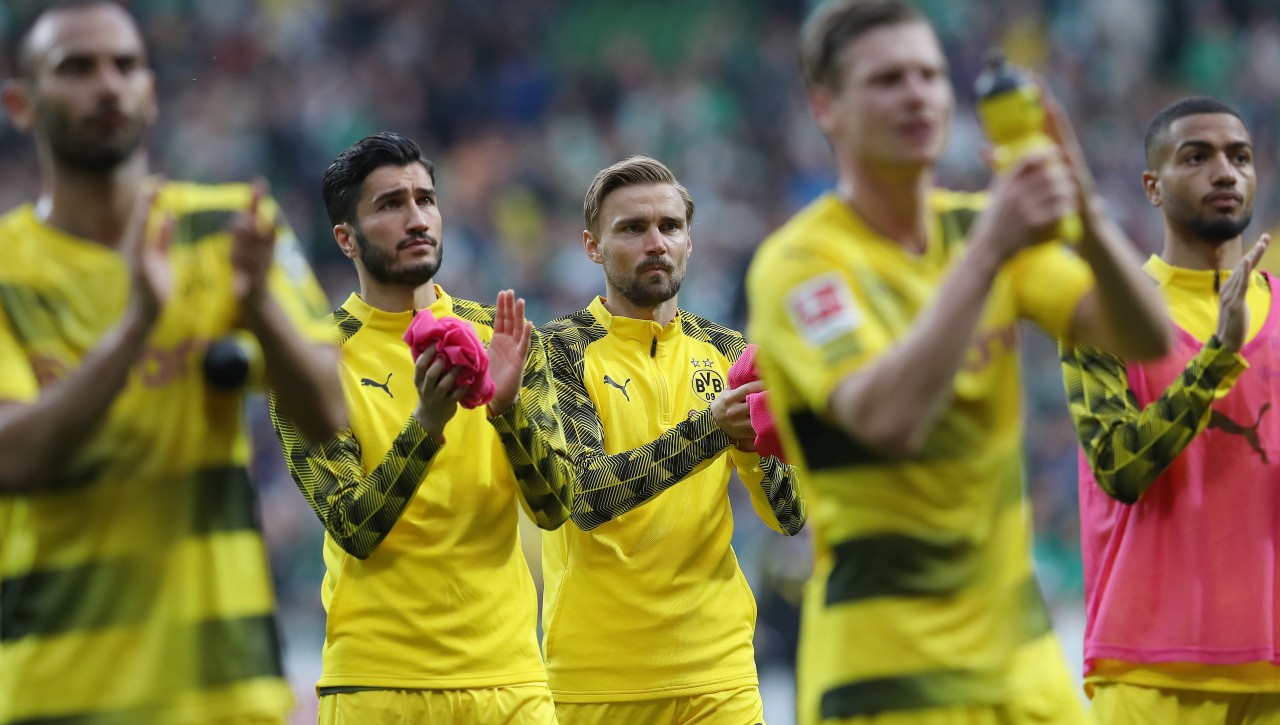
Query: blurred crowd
520, 102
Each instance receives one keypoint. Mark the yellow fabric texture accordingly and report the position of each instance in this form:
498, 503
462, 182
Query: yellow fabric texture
1044, 694
649, 602
136, 586
426, 585
1124, 704
922, 591
1193, 302
1193, 306
519, 705
739, 706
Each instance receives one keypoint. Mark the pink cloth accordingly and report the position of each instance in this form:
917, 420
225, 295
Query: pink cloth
1189, 572
744, 371
456, 341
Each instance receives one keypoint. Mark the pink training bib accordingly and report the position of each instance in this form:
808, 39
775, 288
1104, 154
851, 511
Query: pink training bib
1189, 572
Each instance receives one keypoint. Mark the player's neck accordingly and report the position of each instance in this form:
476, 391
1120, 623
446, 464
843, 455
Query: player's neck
619, 306
94, 206
396, 297
894, 203
1184, 250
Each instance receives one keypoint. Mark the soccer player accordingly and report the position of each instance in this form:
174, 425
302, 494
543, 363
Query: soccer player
647, 616
134, 585
887, 318
431, 608
1178, 489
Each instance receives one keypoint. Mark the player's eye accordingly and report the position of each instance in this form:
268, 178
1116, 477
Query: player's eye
76, 65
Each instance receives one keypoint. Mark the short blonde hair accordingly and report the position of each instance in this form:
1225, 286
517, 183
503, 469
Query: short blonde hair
632, 171
835, 24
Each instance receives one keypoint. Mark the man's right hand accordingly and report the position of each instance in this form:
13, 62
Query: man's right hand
732, 414
146, 251
1233, 311
438, 393
1027, 201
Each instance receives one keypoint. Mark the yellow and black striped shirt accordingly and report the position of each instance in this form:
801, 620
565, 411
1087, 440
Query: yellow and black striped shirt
426, 585
644, 598
922, 591
136, 588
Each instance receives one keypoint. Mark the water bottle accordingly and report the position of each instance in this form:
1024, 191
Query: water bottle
1013, 117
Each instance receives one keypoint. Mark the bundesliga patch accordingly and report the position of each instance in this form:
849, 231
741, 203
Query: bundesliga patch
823, 309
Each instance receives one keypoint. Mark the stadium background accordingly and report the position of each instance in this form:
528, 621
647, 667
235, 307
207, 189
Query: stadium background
520, 102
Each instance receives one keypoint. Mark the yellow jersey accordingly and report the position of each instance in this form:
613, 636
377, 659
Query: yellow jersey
135, 588
922, 591
644, 598
426, 585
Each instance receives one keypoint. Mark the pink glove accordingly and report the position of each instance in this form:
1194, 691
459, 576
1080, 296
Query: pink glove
457, 343
742, 372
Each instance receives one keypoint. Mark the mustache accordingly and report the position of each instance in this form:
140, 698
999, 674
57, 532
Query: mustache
416, 238
1226, 193
658, 263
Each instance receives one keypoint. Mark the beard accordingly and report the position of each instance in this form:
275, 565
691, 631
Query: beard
641, 293
381, 264
76, 150
1218, 229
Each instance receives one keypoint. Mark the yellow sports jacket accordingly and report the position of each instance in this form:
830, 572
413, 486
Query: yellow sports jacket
644, 598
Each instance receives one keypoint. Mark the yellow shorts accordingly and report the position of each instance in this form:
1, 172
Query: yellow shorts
741, 706
1046, 695
1120, 704
260, 719
520, 705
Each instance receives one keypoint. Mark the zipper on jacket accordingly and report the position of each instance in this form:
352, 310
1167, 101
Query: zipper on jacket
664, 404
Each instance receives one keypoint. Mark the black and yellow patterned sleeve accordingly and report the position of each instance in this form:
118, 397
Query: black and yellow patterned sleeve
771, 484
1127, 446
534, 443
530, 433
607, 486
357, 508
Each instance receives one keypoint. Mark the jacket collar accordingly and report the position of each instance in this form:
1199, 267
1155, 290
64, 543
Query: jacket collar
383, 320
630, 328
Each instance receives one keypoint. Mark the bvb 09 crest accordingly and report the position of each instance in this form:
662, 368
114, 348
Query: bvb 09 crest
707, 384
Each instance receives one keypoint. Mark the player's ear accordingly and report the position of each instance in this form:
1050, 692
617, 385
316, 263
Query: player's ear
16, 97
1151, 185
344, 235
591, 243
820, 105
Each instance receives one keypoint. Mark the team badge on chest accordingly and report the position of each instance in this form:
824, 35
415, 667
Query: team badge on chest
707, 383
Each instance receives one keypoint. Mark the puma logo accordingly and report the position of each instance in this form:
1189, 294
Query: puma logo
375, 384
622, 387
1250, 433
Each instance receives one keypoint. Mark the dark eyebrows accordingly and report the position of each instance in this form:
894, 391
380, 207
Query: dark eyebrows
401, 191
1201, 145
